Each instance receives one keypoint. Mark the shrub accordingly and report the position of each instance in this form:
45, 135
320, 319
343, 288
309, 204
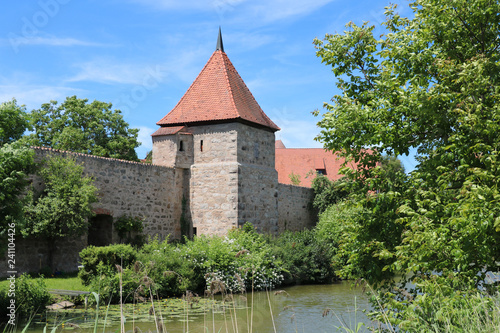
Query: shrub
241, 261
328, 192
441, 305
31, 297
165, 265
129, 229
305, 259
103, 260
108, 285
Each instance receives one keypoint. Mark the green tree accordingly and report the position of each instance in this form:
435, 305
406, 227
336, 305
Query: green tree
432, 83
13, 122
16, 162
63, 206
90, 128
328, 192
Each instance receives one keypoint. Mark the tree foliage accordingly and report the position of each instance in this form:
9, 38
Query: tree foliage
90, 128
328, 192
63, 206
13, 122
430, 83
16, 162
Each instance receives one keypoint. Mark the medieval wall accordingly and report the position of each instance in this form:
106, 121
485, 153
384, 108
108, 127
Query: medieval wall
134, 189
295, 210
124, 189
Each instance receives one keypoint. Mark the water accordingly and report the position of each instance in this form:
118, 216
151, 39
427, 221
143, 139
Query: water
309, 308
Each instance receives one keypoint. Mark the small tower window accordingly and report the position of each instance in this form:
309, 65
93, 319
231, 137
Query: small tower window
181, 145
201, 145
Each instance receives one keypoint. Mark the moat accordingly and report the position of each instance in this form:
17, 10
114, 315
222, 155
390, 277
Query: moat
305, 308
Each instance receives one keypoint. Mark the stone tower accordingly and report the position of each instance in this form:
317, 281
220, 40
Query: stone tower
223, 140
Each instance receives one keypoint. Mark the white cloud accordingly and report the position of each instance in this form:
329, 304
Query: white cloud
255, 11
176, 4
271, 11
109, 71
144, 137
15, 41
184, 66
33, 96
248, 40
296, 132
146, 142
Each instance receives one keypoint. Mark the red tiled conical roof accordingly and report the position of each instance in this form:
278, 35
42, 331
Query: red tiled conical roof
217, 94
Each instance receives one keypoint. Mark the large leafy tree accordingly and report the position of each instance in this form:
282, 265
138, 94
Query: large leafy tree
62, 207
90, 128
430, 83
13, 122
16, 162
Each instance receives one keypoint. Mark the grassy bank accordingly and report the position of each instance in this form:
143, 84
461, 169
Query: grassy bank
67, 282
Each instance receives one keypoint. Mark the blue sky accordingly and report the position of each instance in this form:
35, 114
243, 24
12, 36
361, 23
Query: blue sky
142, 55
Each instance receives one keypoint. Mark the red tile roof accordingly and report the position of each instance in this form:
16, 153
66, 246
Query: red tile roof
217, 94
168, 130
304, 162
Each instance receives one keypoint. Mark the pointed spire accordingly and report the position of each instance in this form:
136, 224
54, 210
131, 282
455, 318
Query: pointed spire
220, 46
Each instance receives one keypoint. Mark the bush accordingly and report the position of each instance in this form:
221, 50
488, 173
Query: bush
103, 260
241, 261
170, 272
129, 229
31, 297
328, 192
305, 259
441, 305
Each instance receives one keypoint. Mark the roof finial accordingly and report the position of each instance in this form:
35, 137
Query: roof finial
220, 46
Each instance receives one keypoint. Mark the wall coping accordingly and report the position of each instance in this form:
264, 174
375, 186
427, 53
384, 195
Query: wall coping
96, 157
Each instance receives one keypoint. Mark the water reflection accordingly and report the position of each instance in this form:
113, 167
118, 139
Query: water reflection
295, 309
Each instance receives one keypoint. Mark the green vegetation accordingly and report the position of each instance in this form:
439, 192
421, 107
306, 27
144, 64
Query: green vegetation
31, 296
294, 178
430, 84
13, 122
305, 259
244, 260
129, 229
16, 162
63, 206
62, 281
82, 127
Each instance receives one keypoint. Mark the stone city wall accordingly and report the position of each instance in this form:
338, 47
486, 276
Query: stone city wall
125, 188
134, 189
295, 209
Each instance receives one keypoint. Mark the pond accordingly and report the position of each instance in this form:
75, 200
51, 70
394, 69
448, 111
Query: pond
306, 308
